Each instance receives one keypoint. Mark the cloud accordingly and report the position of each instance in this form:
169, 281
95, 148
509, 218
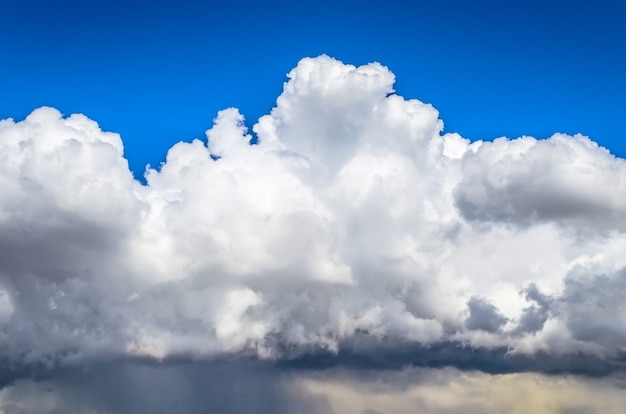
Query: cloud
451, 391
535, 316
563, 179
483, 316
594, 307
123, 387
353, 223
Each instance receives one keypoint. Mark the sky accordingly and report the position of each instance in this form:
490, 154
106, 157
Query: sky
432, 216
158, 72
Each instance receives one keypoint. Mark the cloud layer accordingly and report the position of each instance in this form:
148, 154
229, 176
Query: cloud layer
450, 391
354, 216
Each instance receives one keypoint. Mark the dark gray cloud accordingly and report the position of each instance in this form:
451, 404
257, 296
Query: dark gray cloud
240, 384
594, 307
135, 386
365, 354
535, 316
484, 316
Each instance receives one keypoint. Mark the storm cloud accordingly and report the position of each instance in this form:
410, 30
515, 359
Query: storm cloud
353, 233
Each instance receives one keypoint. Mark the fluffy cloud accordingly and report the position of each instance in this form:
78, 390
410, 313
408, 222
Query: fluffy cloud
353, 217
567, 180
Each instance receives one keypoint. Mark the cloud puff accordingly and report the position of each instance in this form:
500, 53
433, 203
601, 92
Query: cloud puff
563, 179
353, 216
483, 316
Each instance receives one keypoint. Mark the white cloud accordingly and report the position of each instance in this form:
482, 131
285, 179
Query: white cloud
352, 214
567, 180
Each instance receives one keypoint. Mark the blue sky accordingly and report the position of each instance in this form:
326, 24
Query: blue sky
158, 72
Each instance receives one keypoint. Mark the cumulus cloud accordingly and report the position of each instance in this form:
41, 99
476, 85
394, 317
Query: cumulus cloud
563, 179
353, 219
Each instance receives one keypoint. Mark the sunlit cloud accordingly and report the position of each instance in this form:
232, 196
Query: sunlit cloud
354, 226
